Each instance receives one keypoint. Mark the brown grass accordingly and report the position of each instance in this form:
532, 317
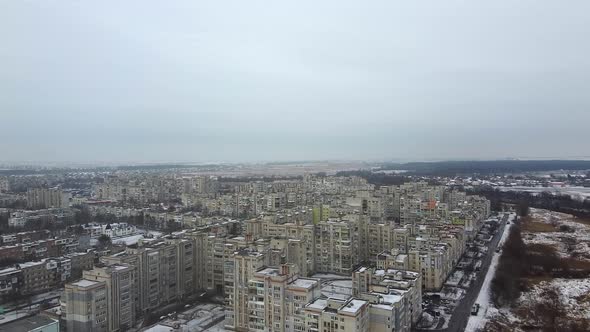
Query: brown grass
583, 221
533, 281
499, 324
529, 224
577, 264
541, 249
583, 298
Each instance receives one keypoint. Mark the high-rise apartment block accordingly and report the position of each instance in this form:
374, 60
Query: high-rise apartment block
42, 198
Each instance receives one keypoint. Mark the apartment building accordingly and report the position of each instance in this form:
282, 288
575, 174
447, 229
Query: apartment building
80, 261
41, 198
299, 293
35, 277
24, 237
164, 271
11, 280
336, 247
113, 230
4, 185
86, 307
39, 276
294, 251
238, 271
380, 237
185, 266
21, 218
119, 281
278, 297
399, 289
336, 315
392, 260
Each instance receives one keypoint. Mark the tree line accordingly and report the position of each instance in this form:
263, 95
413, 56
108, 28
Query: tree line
544, 200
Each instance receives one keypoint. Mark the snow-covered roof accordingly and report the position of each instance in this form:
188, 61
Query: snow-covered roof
84, 283
353, 306
304, 283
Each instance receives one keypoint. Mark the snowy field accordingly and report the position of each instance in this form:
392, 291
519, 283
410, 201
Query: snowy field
570, 238
575, 242
574, 295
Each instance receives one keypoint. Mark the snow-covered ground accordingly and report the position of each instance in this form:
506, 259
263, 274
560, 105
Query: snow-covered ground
575, 242
573, 295
478, 322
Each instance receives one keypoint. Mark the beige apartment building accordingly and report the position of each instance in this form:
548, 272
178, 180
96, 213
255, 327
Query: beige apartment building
336, 247
41, 198
165, 271
278, 297
120, 290
86, 306
238, 271
335, 315
400, 289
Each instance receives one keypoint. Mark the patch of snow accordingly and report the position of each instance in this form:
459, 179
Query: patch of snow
570, 291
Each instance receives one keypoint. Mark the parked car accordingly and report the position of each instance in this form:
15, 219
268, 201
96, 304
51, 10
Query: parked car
475, 309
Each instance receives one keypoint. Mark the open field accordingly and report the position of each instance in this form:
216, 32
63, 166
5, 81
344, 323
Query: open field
554, 288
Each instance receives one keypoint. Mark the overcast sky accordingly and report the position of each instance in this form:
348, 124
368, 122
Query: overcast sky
125, 81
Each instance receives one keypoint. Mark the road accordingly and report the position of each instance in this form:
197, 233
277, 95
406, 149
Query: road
462, 312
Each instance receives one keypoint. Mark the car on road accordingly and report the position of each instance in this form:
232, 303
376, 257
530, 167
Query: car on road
475, 309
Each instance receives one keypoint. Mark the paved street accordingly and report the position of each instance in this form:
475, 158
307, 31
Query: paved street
462, 312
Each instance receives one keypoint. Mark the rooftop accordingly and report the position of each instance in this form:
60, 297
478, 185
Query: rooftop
390, 298
353, 306
304, 283
269, 271
27, 324
319, 304
84, 283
